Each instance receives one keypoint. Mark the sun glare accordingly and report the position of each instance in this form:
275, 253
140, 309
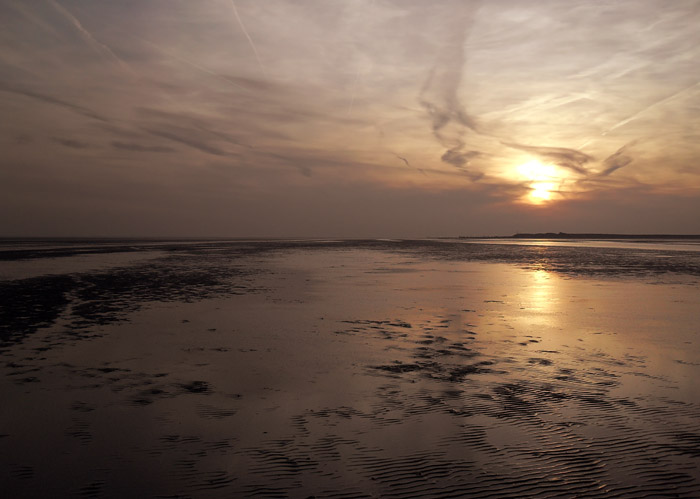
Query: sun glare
542, 181
534, 170
541, 191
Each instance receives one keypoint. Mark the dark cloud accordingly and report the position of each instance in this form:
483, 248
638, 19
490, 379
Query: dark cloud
442, 115
617, 160
408, 164
404, 160
255, 84
561, 156
73, 144
202, 128
130, 146
88, 113
119, 131
458, 158
182, 136
22, 139
440, 93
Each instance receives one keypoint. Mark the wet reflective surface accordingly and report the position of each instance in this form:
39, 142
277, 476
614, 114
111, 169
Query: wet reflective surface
352, 369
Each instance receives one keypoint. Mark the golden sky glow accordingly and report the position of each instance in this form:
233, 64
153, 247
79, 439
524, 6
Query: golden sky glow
120, 114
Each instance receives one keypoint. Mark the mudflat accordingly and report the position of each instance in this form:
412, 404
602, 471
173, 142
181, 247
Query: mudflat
349, 369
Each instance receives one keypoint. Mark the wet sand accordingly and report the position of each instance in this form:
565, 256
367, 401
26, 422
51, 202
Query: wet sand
350, 369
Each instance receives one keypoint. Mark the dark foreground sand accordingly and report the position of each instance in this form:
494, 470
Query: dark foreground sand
349, 370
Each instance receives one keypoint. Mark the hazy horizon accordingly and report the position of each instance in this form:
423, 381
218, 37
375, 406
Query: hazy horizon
356, 119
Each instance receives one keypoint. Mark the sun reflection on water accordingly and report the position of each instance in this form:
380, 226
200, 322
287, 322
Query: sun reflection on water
541, 291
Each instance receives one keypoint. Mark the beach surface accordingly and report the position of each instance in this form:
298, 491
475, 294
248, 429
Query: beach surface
435, 368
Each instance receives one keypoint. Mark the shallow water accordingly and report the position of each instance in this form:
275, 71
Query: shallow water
351, 369
644, 244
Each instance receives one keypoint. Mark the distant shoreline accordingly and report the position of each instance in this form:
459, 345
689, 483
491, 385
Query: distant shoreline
565, 235
130, 240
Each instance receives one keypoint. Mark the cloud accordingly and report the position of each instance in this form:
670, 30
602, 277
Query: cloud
23, 139
440, 93
192, 64
205, 126
130, 146
408, 164
617, 160
653, 105
245, 32
26, 11
458, 158
73, 144
201, 133
404, 160
184, 137
91, 41
88, 113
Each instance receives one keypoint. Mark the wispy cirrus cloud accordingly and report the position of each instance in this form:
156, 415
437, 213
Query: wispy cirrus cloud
247, 35
95, 44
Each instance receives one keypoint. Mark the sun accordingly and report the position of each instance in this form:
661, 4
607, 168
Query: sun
534, 170
541, 191
541, 179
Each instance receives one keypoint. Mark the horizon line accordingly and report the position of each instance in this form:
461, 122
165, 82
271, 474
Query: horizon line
518, 235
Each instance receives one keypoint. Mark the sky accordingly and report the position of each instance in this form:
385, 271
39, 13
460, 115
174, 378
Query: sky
354, 118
